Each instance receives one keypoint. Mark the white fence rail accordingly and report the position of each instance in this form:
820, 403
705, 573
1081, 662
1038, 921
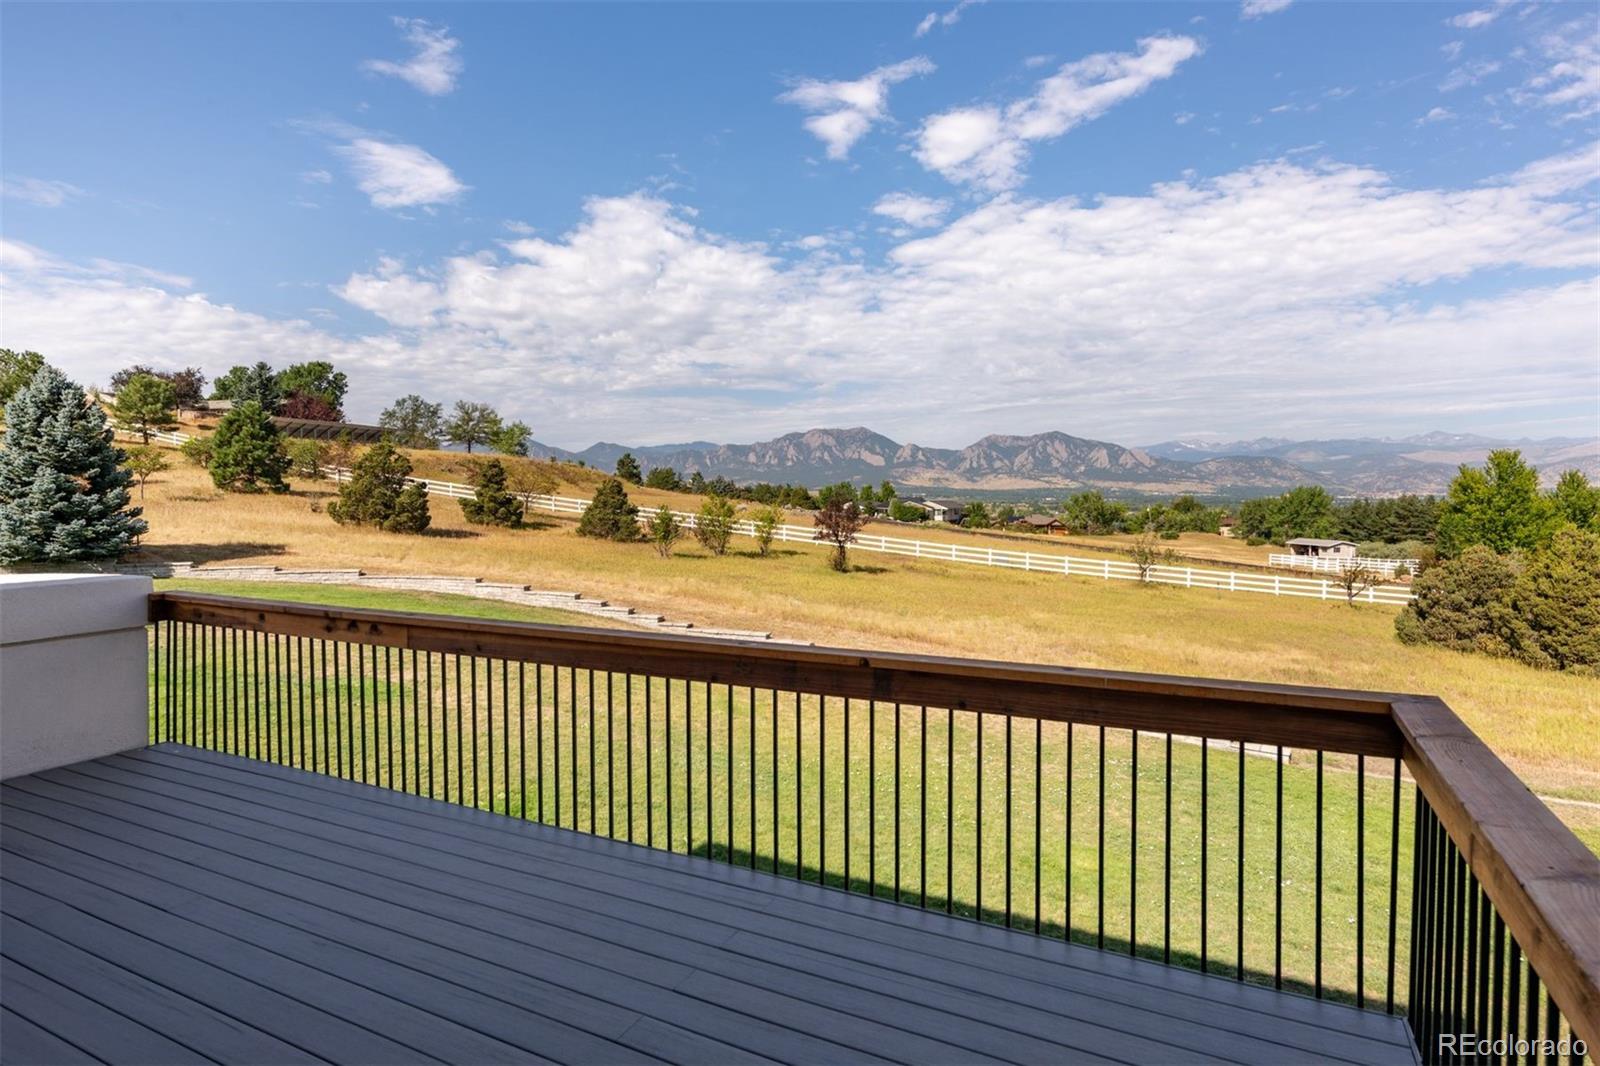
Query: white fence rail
1336, 565
1033, 562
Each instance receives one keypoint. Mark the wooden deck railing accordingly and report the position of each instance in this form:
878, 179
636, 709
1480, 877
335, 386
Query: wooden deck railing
1120, 810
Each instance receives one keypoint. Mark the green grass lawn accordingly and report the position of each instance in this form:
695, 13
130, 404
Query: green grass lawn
557, 745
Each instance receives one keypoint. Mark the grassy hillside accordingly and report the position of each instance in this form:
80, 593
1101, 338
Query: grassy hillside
1546, 725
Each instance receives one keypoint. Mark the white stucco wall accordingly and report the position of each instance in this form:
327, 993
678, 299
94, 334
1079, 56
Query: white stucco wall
73, 668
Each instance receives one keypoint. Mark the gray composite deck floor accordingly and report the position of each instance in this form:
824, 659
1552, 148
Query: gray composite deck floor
173, 905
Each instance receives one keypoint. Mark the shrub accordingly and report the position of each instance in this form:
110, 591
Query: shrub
1255, 542
1461, 604
765, 520
145, 462
63, 491
377, 494
197, 450
247, 453
713, 526
665, 530
491, 504
306, 457
1554, 608
610, 516
1170, 534
663, 477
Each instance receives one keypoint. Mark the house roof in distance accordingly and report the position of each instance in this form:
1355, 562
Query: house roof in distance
1319, 542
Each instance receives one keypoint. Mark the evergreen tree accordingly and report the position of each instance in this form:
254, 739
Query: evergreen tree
713, 525
377, 494
1499, 506
413, 422
1554, 607
247, 452
628, 469
471, 424
144, 404
245, 383
609, 515
491, 504
663, 477
976, 516
63, 491
665, 530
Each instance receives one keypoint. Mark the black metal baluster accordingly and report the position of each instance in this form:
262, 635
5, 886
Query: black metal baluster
1318, 938
949, 810
1394, 883
1166, 865
361, 689
1205, 849
538, 734
799, 798
1009, 720
922, 814
627, 730
405, 750
505, 732
688, 765
710, 817
428, 662
751, 770
1038, 821
350, 706
1277, 883
822, 787
872, 797
611, 759
897, 802
666, 689
488, 725
522, 737
847, 838
1133, 846
1497, 1000
1100, 849
977, 825
590, 674
1485, 918
777, 850
1239, 915
649, 772
728, 741
572, 739
1361, 880
338, 714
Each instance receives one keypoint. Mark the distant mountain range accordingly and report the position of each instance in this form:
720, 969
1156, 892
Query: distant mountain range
1365, 466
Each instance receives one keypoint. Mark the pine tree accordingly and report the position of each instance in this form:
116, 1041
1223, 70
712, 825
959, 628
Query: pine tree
377, 494
247, 452
609, 515
491, 504
63, 491
145, 404
628, 469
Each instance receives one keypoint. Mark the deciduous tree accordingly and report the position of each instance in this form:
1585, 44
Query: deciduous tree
765, 520
413, 422
837, 523
144, 462
316, 379
144, 405
16, 370
713, 525
472, 424
1577, 501
665, 530
1499, 506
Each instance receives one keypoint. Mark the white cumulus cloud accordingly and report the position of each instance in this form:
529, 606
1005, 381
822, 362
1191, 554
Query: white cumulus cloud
434, 65
843, 111
1254, 9
987, 145
918, 212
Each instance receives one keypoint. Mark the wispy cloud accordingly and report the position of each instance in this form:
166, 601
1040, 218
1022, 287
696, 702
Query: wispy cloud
1468, 74
843, 111
399, 175
1254, 9
918, 212
1436, 114
987, 146
39, 191
947, 19
1479, 17
434, 65
1571, 82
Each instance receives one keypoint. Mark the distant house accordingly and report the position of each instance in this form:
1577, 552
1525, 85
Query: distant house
316, 430
204, 409
1226, 525
944, 510
1318, 548
1047, 523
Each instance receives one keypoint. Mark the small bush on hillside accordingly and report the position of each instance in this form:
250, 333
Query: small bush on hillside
247, 452
713, 525
1255, 542
1461, 604
1405, 549
306, 457
198, 451
491, 504
765, 520
665, 530
610, 516
837, 523
377, 494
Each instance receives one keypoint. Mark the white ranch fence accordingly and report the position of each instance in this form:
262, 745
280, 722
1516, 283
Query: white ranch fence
1335, 565
1033, 562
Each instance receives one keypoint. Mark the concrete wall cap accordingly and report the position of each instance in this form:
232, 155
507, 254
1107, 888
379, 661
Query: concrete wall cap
49, 606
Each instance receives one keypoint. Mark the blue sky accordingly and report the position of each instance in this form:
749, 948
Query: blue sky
726, 221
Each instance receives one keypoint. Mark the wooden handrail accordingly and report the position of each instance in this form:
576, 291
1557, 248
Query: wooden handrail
1294, 716
1541, 879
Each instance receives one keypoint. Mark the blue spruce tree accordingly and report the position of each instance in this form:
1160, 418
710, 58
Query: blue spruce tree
64, 494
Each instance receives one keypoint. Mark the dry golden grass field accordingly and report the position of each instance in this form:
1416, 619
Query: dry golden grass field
1545, 725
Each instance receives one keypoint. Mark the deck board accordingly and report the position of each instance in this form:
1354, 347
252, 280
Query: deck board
230, 910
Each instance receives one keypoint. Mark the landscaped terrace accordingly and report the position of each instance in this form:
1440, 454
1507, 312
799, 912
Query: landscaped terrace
363, 835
